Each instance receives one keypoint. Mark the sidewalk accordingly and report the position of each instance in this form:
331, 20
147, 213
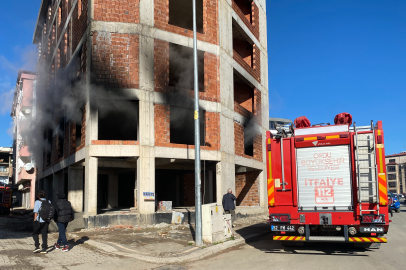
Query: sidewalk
163, 243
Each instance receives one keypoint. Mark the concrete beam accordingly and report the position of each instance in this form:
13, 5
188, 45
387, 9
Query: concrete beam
114, 150
110, 163
73, 159
154, 33
184, 153
174, 100
252, 163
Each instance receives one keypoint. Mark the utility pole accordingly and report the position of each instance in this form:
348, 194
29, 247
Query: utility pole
198, 202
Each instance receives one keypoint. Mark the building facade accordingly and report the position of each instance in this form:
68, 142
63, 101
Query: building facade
23, 111
116, 80
6, 166
396, 172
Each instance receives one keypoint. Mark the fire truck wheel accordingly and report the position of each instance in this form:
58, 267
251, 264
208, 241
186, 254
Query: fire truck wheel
292, 243
398, 210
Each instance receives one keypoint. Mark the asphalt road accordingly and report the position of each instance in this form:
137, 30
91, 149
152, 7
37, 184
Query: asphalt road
267, 254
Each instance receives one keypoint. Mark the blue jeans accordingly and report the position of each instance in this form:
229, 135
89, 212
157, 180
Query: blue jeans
62, 236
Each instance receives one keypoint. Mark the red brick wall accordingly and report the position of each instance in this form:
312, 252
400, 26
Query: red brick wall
246, 188
249, 14
115, 60
245, 50
73, 146
210, 25
239, 139
212, 131
117, 11
79, 23
239, 143
162, 122
162, 129
255, 69
161, 65
258, 147
257, 107
161, 78
244, 97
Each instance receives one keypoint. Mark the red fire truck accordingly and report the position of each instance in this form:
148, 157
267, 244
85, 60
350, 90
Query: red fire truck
327, 183
5, 199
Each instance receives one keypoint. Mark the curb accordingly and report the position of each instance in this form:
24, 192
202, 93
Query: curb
196, 255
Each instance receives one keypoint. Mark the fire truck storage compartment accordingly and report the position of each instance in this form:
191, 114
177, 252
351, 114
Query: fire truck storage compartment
324, 178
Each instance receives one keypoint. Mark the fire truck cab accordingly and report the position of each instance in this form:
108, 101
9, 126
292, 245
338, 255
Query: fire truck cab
328, 183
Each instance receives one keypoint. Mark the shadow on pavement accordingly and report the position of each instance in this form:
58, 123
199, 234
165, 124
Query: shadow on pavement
266, 244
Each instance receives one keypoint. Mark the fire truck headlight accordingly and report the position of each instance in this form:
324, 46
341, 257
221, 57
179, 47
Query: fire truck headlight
338, 228
301, 230
352, 231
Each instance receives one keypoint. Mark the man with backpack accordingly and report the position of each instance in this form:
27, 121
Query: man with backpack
43, 212
63, 214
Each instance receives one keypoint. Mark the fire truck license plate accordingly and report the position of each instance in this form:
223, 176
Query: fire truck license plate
283, 228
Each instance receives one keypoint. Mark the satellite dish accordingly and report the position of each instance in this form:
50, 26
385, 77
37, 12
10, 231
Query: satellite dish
28, 167
27, 111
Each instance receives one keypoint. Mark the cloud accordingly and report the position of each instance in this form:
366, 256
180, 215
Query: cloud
27, 60
10, 130
6, 101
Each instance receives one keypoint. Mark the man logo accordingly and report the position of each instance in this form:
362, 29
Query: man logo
315, 143
372, 229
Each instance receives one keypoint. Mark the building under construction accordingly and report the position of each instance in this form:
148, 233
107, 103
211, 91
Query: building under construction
115, 80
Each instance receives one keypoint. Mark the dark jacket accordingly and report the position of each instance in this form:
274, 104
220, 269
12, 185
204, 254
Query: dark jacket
63, 210
228, 201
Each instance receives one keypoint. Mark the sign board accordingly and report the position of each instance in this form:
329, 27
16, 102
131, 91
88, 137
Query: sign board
149, 196
324, 179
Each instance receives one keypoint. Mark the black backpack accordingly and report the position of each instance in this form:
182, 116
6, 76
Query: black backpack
46, 211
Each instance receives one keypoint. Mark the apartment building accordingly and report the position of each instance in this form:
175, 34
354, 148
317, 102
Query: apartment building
116, 80
396, 172
6, 165
23, 111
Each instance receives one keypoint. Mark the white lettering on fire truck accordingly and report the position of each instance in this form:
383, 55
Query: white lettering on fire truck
323, 162
321, 182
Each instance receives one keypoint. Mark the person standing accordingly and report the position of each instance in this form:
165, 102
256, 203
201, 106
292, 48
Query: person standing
43, 211
63, 214
229, 205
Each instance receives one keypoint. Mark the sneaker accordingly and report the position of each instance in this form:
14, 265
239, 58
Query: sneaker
36, 250
44, 251
65, 248
57, 246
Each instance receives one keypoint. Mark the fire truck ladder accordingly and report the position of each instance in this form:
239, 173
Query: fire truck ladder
367, 169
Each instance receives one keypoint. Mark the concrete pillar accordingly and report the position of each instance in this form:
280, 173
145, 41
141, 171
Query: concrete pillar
75, 188
90, 186
225, 176
57, 185
145, 180
146, 161
112, 199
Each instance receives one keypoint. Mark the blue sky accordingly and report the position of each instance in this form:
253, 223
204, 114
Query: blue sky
325, 57
328, 57
17, 22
